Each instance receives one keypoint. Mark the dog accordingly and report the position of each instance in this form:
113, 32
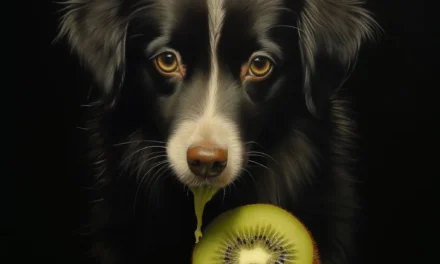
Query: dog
242, 95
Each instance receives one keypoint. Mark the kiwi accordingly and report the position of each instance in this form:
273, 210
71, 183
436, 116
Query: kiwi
256, 234
202, 195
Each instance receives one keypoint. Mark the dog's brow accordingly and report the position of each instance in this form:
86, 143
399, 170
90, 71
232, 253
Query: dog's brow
156, 45
271, 47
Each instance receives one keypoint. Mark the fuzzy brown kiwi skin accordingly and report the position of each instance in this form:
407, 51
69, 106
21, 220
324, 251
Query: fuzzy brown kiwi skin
316, 256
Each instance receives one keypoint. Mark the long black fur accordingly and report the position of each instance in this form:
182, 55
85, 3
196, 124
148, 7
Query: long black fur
307, 133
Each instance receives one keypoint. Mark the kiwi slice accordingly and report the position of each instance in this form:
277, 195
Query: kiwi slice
256, 234
202, 195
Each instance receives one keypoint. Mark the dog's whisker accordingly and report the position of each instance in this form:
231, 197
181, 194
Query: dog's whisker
255, 143
289, 10
262, 154
94, 103
147, 154
96, 201
98, 162
233, 186
160, 174
89, 93
288, 26
250, 175
142, 180
141, 165
154, 178
140, 150
140, 7
133, 134
139, 141
259, 164
159, 163
240, 179
256, 155
99, 175
230, 186
137, 164
136, 36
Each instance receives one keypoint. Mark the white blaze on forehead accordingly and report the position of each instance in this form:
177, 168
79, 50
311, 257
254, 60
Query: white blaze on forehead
216, 14
208, 123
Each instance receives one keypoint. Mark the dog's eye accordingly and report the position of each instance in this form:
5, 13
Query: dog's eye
167, 62
260, 66
257, 69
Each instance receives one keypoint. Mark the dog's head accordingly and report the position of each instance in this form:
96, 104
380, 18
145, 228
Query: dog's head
216, 73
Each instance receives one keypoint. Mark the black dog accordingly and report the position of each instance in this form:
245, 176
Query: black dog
242, 95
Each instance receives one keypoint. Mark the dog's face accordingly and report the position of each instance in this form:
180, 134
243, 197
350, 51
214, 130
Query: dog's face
215, 66
217, 72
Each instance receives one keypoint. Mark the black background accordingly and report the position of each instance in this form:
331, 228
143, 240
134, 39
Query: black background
396, 97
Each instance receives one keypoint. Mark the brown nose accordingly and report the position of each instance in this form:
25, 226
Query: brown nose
207, 161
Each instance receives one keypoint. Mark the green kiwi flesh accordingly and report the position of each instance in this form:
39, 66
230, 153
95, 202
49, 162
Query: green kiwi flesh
256, 234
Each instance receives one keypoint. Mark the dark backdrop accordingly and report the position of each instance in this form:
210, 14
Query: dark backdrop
396, 97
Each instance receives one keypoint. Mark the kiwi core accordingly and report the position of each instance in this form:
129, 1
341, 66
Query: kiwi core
202, 195
254, 256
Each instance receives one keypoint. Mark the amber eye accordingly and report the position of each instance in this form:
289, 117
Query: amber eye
260, 66
167, 62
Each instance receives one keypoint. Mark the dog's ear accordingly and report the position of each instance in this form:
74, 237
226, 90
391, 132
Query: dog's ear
96, 33
331, 33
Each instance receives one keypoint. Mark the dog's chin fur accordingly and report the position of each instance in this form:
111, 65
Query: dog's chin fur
290, 138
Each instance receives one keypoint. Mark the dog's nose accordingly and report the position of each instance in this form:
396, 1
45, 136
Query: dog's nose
207, 161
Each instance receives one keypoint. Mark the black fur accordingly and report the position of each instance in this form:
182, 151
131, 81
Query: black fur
298, 118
